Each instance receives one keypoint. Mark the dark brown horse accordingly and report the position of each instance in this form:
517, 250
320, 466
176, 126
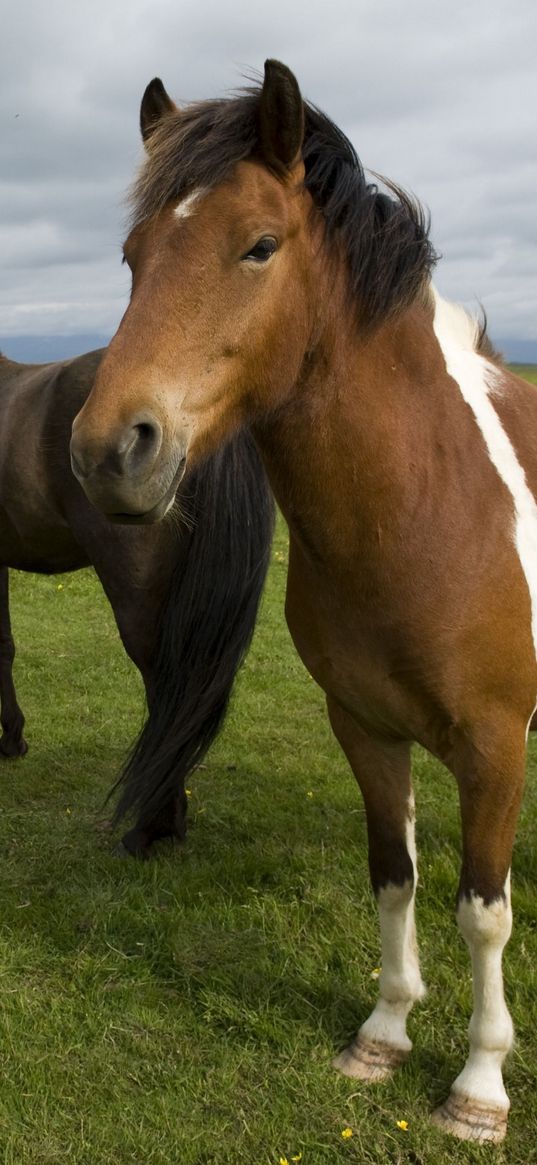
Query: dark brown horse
184, 593
274, 286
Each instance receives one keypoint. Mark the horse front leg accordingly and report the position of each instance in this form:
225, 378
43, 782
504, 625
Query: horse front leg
12, 742
170, 821
491, 778
382, 770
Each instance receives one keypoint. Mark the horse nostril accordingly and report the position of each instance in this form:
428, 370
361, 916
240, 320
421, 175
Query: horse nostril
130, 453
141, 446
145, 431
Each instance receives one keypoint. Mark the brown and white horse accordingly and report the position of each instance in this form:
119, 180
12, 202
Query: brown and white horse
272, 285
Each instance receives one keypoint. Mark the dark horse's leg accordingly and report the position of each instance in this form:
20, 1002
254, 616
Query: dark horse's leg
12, 742
137, 618
170, 820
215, 567
186, 610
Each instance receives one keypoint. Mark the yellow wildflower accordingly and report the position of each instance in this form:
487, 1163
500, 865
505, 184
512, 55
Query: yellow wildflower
188, 792
402, 1125
375, 972
284, 1161
346, 1133
297, 1157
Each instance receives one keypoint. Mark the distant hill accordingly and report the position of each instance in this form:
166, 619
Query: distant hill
42, 349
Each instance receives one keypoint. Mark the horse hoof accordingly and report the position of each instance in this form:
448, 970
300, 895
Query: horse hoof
366, 1060
469, 1120
132, 846
138, 843
12, 748
121, 851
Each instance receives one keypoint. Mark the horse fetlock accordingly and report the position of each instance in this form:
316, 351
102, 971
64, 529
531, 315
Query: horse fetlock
386, 1025
406, 988
12, 746
494, 1036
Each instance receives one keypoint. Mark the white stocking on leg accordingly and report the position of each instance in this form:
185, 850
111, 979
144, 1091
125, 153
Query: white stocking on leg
478, 1104
382, 1042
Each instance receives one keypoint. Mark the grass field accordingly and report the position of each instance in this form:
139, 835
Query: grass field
528, 371
186, 1010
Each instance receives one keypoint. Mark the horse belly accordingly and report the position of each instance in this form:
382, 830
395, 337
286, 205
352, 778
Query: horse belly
38, 546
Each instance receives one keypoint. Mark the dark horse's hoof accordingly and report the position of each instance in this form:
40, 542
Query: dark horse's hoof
169, 824
137, 843
12, 748
123, 851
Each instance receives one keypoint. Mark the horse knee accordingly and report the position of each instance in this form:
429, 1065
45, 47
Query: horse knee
485, 923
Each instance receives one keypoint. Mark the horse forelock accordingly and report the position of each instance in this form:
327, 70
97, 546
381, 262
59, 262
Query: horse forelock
383, 236
197, 146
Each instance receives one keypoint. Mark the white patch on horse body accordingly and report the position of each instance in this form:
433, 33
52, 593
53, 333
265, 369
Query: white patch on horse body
486, 930
478, 380
187, 206
400, 983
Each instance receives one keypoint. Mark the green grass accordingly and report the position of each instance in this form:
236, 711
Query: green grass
528, 371
186, 1010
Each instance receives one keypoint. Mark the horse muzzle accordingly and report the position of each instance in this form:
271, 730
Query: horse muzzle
130, 477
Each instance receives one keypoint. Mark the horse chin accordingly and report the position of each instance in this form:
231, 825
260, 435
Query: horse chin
154, 513
146, 517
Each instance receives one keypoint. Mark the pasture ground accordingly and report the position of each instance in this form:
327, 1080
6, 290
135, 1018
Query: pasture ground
185, 1011
528, 371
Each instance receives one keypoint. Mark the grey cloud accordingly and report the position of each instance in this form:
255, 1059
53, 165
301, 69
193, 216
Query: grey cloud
439, 97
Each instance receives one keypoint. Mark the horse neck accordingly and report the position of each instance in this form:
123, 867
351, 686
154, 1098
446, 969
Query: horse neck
338, 451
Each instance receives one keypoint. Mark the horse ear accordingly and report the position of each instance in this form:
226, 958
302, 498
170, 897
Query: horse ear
155, 104
280, 117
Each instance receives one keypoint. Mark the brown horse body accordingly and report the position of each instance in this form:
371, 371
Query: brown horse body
184, 595
272, 285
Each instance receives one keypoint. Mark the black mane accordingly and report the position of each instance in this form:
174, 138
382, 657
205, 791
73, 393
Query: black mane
384, 237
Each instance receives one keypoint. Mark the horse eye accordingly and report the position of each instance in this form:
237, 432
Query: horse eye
262, 250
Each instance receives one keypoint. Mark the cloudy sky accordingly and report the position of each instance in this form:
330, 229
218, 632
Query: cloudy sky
441, 97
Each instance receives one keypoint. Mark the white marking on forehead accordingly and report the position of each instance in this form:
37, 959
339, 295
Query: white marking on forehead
187, 206
478, 379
